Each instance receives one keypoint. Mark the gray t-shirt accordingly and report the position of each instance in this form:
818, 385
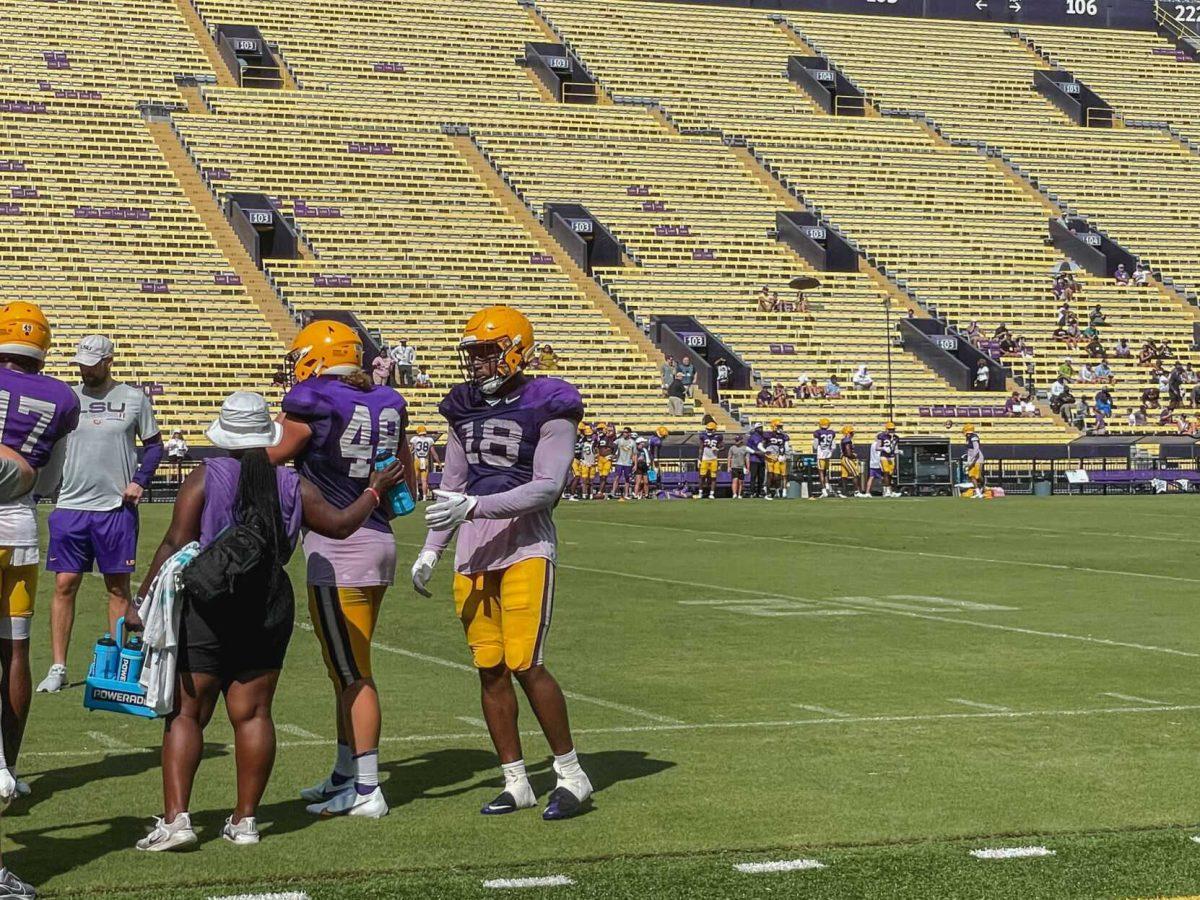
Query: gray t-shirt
625, 447
737, 456
102, 452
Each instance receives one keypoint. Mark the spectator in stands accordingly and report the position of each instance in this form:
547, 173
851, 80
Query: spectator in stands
1072, 335
1059, 290
1060, 394
724, 373
862, 378
972, 333
668, 372
1102, 373
1137, 416
421, 379
381, 368
177, 452
1123, 350
1096, 317
1007, 345
776, 305
833, 390
405, 357
1078, 414
1148, 354
1001, 333
1183, 425
779, 397
1104, 402
1029, 405
1121, 276
764, 299
763, 397
1141, 274
1063, 313
1086, 375
676, 392
1012, 406
1175, 386
547, 359
983, 376
1094, 348
801, 303
687, 369
1066, 369
1150, 397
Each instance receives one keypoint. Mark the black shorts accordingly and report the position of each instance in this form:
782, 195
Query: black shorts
641, 468
230, 641
740, 474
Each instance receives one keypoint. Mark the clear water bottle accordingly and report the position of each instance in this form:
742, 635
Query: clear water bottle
398, 498
105, 657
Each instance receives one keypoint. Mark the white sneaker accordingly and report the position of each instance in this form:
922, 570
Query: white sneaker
325, 790
861, 494
169, 835
244, 832
352, 803
54, 680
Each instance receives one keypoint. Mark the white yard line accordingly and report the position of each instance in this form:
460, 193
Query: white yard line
108, 741
977, 705
1011, 852
823, 710
970, 605
1129, 698
898, 612
287, 895
909, 554
572, 695
781, 865
540, 881
297, 731
766, 724
472, 720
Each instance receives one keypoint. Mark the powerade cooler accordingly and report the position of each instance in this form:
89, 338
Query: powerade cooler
112, 681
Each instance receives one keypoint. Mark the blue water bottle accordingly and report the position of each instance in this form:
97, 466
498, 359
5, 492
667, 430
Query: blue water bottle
104, 658
132, 657
398, 498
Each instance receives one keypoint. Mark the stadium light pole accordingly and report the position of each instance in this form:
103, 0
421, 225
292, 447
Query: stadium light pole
887, 337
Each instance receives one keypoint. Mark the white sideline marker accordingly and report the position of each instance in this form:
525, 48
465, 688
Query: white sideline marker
780, 865
823, 710
1011, 852
297, 731
107, 741
540, 881
1196, 838
1132, 699
472, 720
977, 705
286, 895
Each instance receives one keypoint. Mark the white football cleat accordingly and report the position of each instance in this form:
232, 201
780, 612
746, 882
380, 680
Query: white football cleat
352, 803
54, 680
169, 835
244, 832
325, 790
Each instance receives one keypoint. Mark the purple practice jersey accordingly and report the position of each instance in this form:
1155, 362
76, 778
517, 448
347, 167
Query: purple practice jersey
823, 439
889, 442
710, 445
848, 451
349, 427
36, 411
499, 438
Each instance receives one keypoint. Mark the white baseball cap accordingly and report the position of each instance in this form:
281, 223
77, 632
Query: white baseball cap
92, 349
245, 423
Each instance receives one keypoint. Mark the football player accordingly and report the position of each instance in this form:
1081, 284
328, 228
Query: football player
777, 447
889, 448
710, 459
507, 457
605, 438
974, 460
851, 465
336, 422
425, 457
822, 444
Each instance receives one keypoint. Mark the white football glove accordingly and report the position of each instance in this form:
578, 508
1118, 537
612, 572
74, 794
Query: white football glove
450, 511
8, 786
422, 571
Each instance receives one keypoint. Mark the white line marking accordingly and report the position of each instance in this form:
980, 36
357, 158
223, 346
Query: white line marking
977, 705
823, 710
108, 741
542, 881
707, 541
287, 895
908, 554
573, 695
896, 612
723, 601
771, 613
632, 542
1196, 838
1132, 699
1011, 852
472, 720
961, 604
705, 726
288, 728
782, 865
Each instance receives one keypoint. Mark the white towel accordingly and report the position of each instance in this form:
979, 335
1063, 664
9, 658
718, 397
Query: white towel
160, 635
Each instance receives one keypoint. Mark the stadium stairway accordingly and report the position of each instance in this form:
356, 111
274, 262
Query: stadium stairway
467, 147
206, 206
204, 39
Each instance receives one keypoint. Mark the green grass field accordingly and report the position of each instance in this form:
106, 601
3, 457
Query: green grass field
880, 686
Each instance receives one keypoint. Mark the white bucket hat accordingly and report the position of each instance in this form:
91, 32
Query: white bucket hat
245, 423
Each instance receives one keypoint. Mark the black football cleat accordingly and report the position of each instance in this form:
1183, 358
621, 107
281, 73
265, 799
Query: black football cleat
564, 805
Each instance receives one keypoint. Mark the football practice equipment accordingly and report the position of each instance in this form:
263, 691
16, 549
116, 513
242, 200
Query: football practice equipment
823, 422
847, 429
325, 347
24, 331
450, 511
662, 431
421, 429
496, 345
889, 426
968, 428
711, 426
422, 571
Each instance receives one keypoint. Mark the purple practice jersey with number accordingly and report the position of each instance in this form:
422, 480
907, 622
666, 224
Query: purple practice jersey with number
36, 411
349, 426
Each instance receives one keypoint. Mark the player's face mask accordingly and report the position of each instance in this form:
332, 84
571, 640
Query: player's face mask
484, 365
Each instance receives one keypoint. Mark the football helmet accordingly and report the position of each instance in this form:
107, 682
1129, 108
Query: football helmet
496, 345
421, 429
847, 429
823, 422
662, 431
711, 426
889, 426
777, 423
968, 428
24, 331
325, 347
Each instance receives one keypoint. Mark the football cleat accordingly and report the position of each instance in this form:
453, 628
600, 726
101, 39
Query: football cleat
13, 888
169, 835
352, 803
568, 801
516, 795
325, 790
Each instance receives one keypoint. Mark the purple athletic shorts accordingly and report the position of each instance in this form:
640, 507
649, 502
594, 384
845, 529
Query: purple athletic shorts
625, 472
875, 473
80, 537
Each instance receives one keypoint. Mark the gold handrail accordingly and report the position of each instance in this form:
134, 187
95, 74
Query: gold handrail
1177, 28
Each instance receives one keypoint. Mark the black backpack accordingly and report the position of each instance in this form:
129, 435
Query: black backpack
235, 558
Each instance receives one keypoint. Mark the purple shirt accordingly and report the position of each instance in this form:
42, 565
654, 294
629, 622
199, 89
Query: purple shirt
823, 439
514, 454
349, 427
848, 448
37, 411
889, 442
221, 476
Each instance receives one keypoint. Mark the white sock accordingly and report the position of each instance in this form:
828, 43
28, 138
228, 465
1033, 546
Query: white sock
343, 767
366, 769
567, 766
514, 772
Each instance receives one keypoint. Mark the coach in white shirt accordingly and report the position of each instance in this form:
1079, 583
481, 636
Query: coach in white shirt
405, 357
